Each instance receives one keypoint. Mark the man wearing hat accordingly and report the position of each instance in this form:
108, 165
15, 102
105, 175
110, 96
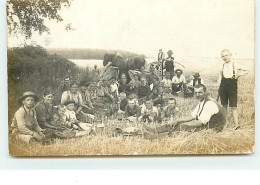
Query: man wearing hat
24, 121
178, 81
169, 63
195, 81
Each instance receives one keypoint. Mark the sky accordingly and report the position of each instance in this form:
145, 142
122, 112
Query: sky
200, 28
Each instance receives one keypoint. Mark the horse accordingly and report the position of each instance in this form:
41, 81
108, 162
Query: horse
122, 65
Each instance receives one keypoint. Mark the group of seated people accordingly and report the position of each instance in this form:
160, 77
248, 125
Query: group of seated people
148, 99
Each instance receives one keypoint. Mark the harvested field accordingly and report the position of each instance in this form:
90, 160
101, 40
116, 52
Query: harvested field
205, 142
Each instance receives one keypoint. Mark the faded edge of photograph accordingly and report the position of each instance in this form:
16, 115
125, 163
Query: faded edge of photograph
90, 78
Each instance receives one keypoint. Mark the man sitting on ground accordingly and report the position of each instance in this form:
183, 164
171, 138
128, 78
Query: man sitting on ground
155, 88
131, 88
195, 81
167, 83
122, 85
144, 90
24, 121
178, 82
170, 111
132, 111
152, 75
207, 115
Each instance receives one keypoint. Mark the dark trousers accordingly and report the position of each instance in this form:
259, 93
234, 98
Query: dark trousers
228, 92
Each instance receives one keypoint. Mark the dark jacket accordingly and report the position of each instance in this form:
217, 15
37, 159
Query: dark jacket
144, 91
136, 111
44, 113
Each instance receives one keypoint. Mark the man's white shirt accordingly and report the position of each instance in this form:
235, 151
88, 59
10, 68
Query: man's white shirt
175, 79
210, 108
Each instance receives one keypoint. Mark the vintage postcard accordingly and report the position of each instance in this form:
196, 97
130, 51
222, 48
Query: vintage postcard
150, 77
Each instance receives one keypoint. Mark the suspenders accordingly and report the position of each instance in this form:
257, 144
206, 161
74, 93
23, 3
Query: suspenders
199, 112
234, 74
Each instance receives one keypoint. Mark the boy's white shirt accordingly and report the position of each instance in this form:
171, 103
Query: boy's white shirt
227, 70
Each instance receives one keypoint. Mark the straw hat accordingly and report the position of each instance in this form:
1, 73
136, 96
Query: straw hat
178, 70
28, 94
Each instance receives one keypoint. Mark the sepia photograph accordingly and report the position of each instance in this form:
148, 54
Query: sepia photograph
130, 78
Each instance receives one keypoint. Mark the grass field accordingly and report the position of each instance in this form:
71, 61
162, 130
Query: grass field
204, 142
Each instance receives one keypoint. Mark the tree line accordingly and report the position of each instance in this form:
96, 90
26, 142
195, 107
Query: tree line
78, 53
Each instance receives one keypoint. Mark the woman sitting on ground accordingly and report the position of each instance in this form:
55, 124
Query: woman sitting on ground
73, 94
45, 112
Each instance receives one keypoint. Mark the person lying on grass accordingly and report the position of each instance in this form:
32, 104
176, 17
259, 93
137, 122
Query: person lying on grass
208, 114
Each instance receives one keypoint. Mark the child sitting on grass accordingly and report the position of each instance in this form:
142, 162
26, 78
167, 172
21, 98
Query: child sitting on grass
71, 119
149, 113
170, 111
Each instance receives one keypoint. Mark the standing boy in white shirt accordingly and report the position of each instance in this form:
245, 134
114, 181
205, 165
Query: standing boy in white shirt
229, 75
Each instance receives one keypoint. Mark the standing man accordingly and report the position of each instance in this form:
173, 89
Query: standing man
229, 75
169, 63
160, 59
161, 56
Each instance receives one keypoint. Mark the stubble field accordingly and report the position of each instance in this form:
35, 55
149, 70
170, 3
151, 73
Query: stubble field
205, 142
